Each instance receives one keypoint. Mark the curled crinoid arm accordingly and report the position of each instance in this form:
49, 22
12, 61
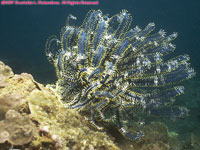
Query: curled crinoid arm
119, 117
51, 48
117, 74
130, 135
122, 128
71, 20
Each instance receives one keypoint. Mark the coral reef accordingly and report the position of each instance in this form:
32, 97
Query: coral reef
118, 75
32, 110
66, 127
34, 118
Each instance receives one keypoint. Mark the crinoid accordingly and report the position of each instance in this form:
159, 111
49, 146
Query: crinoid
117, 74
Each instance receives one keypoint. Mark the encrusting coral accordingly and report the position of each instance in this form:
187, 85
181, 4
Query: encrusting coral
16, 129
5, 71
13, 89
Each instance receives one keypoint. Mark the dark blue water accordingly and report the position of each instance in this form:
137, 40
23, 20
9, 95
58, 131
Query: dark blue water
24, 30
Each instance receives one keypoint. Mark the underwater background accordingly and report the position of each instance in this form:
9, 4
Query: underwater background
25, 29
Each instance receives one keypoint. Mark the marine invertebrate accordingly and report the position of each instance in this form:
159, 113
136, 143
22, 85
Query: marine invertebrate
115, 73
